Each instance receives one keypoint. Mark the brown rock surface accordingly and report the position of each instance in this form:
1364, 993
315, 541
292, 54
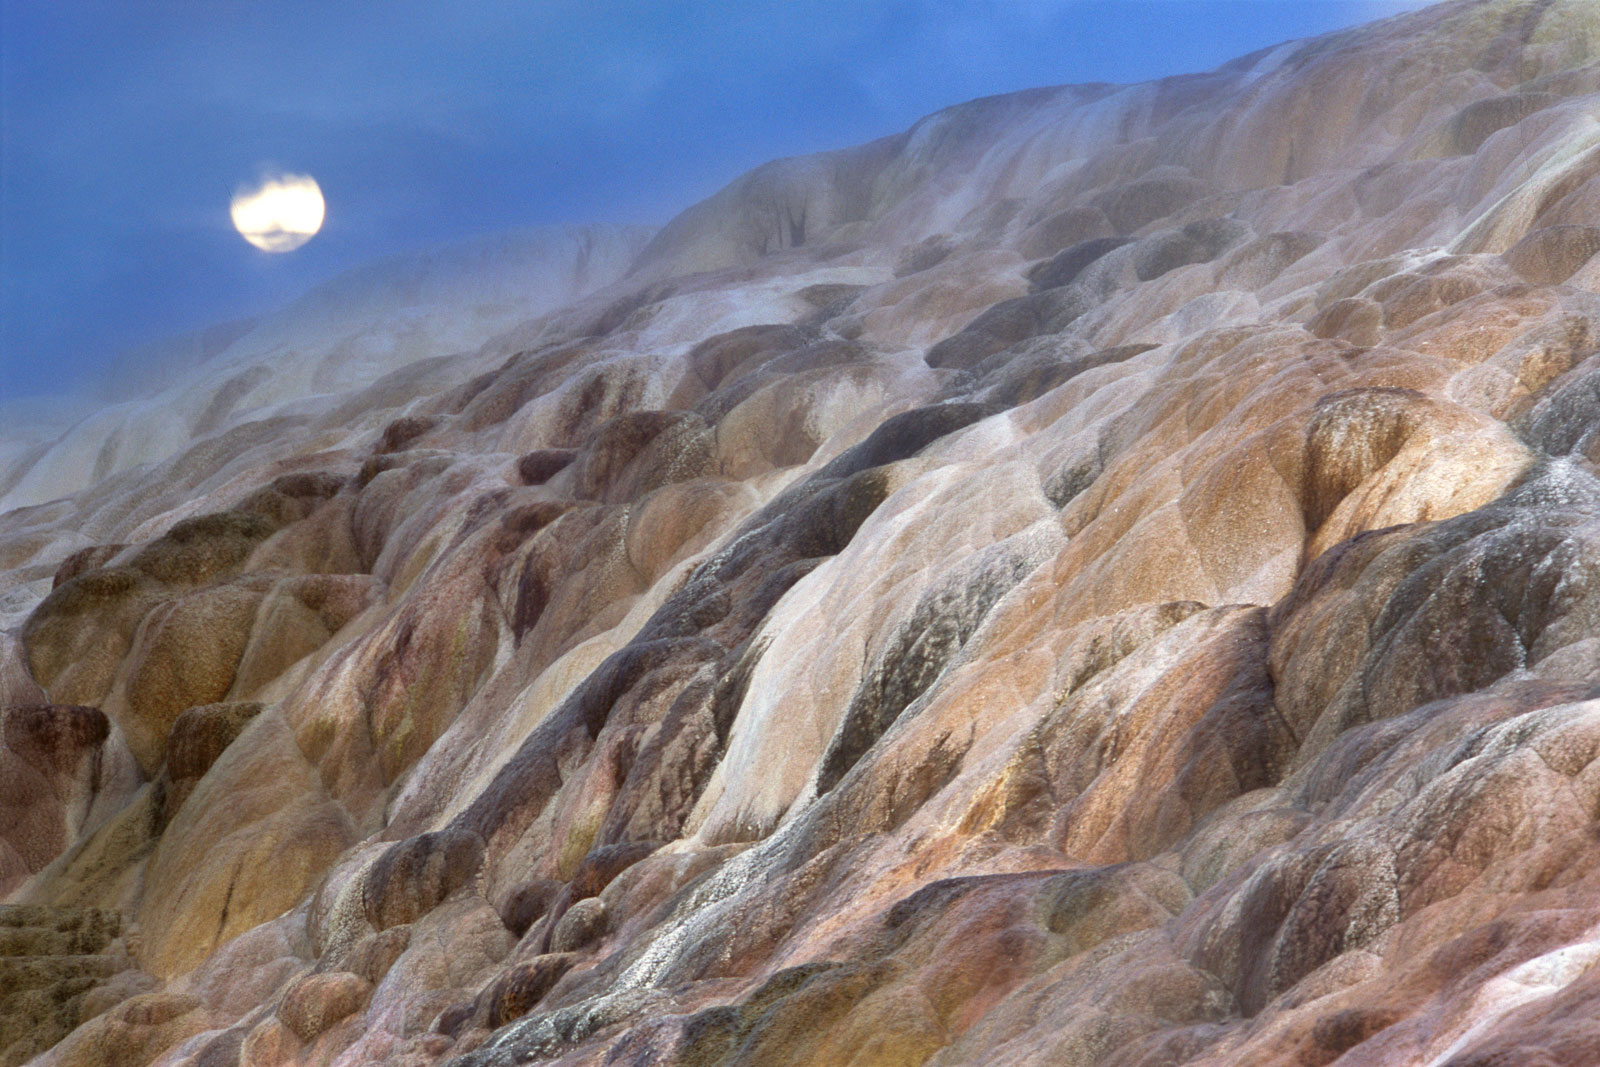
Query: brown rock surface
314, 1003
1120, 584
52, 767
52, 963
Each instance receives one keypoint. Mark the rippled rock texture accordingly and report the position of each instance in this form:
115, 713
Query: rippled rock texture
1108, 576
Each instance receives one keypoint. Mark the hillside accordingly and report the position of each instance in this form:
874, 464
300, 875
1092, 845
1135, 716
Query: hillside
1110, 575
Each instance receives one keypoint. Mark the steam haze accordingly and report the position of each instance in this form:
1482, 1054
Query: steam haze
903, 533
128, 126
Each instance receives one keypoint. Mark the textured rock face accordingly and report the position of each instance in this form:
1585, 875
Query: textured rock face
1108, 576
61, 966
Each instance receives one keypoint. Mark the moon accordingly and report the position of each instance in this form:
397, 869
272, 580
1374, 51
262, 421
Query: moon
279, 214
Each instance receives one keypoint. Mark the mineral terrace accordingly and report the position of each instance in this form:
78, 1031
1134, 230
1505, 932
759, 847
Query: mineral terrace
1110, 575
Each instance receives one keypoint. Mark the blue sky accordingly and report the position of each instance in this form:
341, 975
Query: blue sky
127, 123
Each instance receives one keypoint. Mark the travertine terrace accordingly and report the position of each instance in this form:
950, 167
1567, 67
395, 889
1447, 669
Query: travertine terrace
1110, 575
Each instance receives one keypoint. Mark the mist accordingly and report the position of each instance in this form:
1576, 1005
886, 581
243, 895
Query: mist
127, 128
903, 533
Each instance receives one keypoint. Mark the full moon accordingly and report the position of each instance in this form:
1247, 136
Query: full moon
280, 214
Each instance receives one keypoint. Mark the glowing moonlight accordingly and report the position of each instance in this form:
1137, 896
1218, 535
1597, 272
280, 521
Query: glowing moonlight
280, 214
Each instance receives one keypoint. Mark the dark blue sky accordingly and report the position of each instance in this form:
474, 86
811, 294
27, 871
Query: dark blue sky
127, 123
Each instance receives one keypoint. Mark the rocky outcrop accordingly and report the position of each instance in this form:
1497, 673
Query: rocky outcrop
59, 967
1108, 576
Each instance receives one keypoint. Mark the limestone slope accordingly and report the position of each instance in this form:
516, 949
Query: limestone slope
1108, 576
377, 320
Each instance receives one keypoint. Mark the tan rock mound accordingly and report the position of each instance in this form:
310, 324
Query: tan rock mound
1109, 575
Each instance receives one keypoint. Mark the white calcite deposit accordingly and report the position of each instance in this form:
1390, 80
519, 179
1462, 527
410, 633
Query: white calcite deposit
1110, 575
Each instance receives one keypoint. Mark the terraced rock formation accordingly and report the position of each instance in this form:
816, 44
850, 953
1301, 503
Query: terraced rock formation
1108, 576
